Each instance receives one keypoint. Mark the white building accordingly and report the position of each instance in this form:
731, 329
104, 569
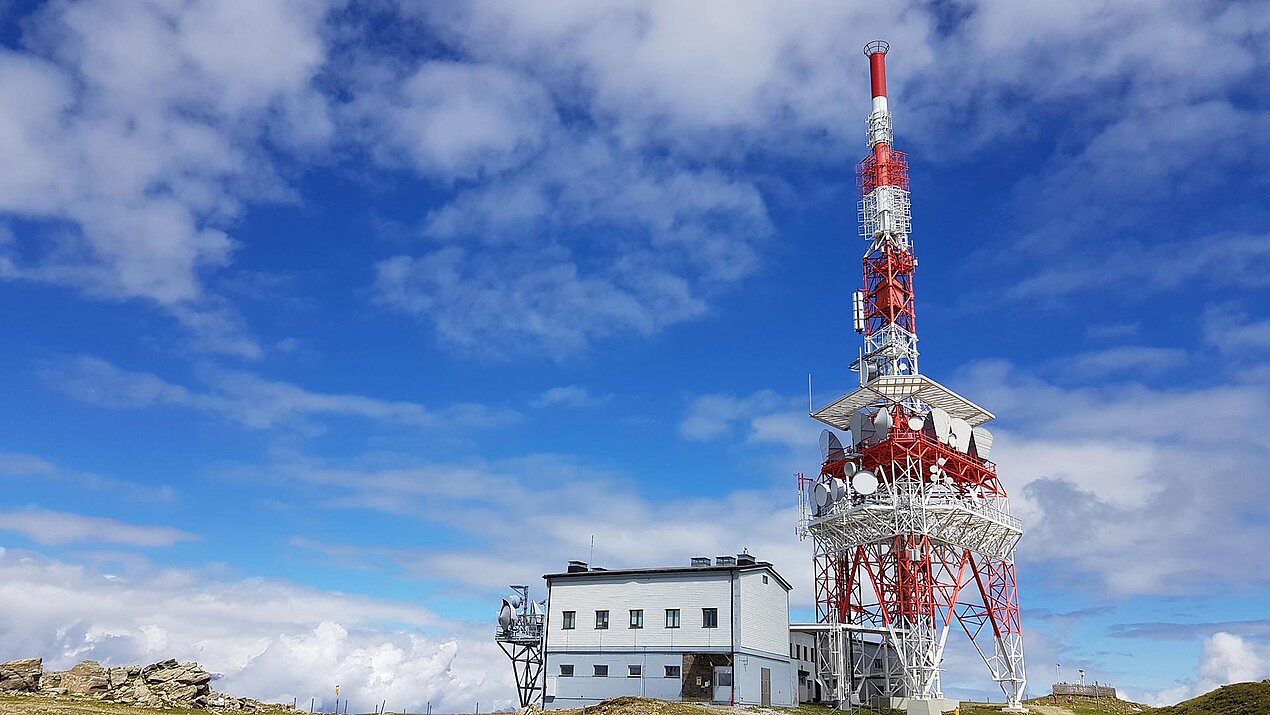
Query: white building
713, 631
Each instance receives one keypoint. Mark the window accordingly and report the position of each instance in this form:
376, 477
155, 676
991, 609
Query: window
601, 671
601, 620
566, 671
637, 618
672, 617
806, 653
570, 620
634, 671
792, 651
672, 671
764, 578
709, 618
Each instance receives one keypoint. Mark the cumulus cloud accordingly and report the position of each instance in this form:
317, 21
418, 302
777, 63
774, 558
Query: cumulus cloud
267, 639
58, 527
134, 136
1227, 658
251, 400
457, 120
1090, 470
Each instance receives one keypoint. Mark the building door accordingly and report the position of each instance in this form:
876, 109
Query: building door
766, 684
723, 684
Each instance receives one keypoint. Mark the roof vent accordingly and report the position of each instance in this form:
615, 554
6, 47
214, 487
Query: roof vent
725, 561
577, 566
745, 559
699, 561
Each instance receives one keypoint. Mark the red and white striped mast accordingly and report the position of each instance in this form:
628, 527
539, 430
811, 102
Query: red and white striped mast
911, 528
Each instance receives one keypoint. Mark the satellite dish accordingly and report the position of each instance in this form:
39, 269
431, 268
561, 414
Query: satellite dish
505, 616
825, 436
861, 426
934, 469
882, 422
901, 366
864, 482
916, 423
514, 600
849, 468
960, 430
831, 446
941, 461
942, 423
837, 489
821, 496
982, 442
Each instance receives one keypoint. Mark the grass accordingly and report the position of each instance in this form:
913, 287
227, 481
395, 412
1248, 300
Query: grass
1235, 699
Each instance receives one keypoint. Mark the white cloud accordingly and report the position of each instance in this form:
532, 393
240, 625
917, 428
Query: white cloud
34, 467
1227, 659
251, 400
138, 133
1231, 331
590, 241
455, 120
269, 639
1091, 471
713, 416
569, 396
512, 509
1133, 359
57, 527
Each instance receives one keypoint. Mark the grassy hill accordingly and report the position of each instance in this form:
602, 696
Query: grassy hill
1235, 699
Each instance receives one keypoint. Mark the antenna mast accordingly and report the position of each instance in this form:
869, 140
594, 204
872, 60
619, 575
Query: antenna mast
910, 526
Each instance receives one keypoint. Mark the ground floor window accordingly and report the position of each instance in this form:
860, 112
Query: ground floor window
601, 671
566, 671
672, 671
635, 671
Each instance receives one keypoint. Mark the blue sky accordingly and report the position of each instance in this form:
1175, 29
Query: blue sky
325, 321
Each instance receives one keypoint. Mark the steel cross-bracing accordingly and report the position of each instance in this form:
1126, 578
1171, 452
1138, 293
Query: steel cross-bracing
912, 534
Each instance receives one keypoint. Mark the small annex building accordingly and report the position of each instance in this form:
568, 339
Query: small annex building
715, 631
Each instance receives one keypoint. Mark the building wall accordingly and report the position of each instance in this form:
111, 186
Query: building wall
586, 689
689, 592
763, 614
747, 679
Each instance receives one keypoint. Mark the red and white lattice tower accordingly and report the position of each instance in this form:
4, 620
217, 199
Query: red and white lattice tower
912, 531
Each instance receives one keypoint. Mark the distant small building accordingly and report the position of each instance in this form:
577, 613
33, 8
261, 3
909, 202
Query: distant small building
715, 631
1091, 691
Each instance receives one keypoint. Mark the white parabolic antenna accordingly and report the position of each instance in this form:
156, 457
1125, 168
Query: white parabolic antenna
942, 423
849, 468
514, 600
864, 482
505, 614
916, 423
820, 495
882, 423
838, 489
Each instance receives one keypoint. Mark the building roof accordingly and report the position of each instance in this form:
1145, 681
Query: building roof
677, 570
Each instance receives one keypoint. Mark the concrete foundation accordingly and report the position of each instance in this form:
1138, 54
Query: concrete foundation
932, 706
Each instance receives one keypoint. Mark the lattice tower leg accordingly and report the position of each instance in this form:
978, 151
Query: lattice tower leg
527, 665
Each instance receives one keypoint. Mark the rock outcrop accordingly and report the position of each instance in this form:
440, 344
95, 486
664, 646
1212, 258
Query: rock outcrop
22, 676
166, 684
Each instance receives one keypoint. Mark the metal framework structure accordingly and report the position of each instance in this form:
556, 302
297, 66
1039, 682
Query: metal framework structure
521, 630
911, 529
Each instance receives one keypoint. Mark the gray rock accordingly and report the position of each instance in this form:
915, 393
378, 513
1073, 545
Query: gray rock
21, 676
86, 678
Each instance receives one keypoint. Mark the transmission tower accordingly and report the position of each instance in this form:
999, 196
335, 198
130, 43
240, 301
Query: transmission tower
911, 528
